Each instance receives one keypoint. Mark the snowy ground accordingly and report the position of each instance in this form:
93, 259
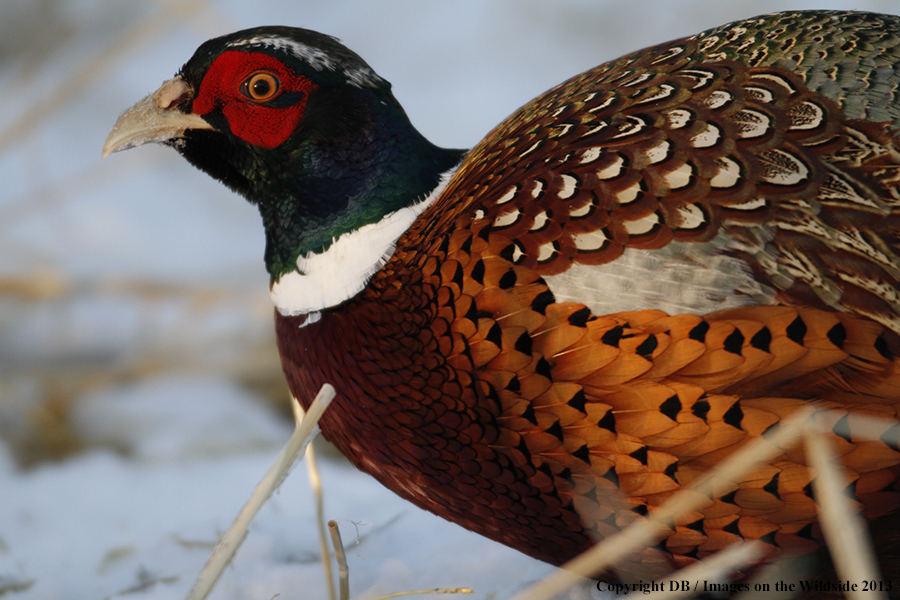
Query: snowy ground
101, 525
134, 319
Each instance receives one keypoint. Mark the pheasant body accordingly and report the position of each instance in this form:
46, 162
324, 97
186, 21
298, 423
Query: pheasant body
497, 359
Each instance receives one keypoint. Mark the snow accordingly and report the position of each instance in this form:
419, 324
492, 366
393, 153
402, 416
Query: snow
133, 299
178, 418
146, 516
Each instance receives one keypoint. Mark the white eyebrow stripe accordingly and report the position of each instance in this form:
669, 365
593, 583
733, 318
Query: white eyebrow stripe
317, 59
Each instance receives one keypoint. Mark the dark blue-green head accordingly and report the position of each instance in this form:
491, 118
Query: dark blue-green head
300, 126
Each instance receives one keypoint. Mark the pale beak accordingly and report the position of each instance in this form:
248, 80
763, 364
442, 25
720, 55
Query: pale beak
156, 118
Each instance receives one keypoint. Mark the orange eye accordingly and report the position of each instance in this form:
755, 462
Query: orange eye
260, 87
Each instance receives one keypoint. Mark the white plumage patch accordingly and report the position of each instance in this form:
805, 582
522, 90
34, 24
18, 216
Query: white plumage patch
679, 278
317, 59
325, 280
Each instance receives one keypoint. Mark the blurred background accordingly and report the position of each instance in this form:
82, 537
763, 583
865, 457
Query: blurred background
134, 307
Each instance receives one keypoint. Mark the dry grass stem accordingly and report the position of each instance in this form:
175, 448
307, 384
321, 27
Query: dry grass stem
315, 482
640, 534
341, 558
845, 531
231, 540
434, 591
714, 568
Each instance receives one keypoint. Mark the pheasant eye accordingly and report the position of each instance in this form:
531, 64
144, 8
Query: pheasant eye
260, 87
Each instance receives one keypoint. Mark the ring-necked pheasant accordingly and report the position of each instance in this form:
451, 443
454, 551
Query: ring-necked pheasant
543, 338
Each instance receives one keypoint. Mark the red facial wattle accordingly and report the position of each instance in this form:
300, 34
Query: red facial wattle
267, 119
